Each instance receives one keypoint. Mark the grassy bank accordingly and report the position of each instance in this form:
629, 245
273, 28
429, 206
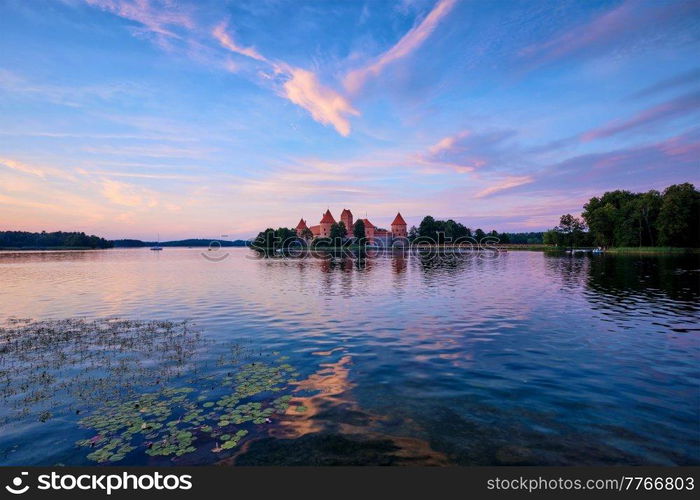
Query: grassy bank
526, 246
653, 250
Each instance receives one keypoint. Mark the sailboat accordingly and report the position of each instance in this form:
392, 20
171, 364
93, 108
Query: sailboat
157, 246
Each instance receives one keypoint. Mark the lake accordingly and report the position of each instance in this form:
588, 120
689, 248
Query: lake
137, 357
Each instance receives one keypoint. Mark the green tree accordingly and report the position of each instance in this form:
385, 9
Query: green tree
601, 220
454, 230
338, 233
412, 233
306, 234
622, 218
679, 216
321, 242
428, 228
265, 239
285, 236
358, 231
281, 237
646, 214
479, 234
551, 237
571, 228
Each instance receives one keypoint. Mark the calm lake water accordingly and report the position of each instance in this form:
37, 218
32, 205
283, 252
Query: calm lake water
525, 358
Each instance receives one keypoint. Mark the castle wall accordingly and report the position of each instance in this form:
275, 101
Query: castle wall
325, 229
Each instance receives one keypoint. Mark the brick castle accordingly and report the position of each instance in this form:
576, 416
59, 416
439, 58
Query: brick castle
373, 234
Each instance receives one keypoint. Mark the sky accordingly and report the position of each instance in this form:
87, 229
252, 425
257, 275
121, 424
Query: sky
137, 118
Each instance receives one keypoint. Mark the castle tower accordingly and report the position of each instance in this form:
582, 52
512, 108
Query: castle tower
300, 227
398, 227
369, 230
346, 218
325, 225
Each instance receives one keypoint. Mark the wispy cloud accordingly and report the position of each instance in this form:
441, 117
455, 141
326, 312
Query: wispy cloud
670, 109
468, 150
152, 151
413, 39
22, 167
157, 18
226, 40
302, 87
687, 78
129, 195
41, 171
503, 184
167, 21
629, 21
657, 164
74, 96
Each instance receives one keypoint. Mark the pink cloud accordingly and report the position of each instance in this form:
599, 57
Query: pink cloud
158, 17
128, 195
601, 29
629, 20
506, 183
227, 41
670, 109
447, 143
415, 37
467, 151
44, 172
302, 87
680, 146
22, 167
325, 105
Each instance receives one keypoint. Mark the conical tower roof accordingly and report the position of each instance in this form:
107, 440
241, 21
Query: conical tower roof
398, 220
368, 224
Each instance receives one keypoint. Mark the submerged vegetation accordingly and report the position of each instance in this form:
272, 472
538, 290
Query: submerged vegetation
134, 386
43, 364
173, 421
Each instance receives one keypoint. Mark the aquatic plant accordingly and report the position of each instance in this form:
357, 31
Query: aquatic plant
46, 364
117, 378
172, 421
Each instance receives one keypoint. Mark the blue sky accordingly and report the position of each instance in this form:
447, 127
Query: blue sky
197, 119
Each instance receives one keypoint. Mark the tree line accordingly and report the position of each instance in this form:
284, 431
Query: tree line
446, 231
625, 219
192, 242
58, 239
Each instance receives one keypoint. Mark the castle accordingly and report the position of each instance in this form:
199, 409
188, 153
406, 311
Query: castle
373, 234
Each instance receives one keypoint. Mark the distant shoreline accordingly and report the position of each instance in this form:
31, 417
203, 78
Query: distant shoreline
54, 249
48, 249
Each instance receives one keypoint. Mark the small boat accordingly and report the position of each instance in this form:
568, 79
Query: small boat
157, 247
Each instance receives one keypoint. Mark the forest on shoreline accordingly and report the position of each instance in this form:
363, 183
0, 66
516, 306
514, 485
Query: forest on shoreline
60, 240
25, 240
623, 219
